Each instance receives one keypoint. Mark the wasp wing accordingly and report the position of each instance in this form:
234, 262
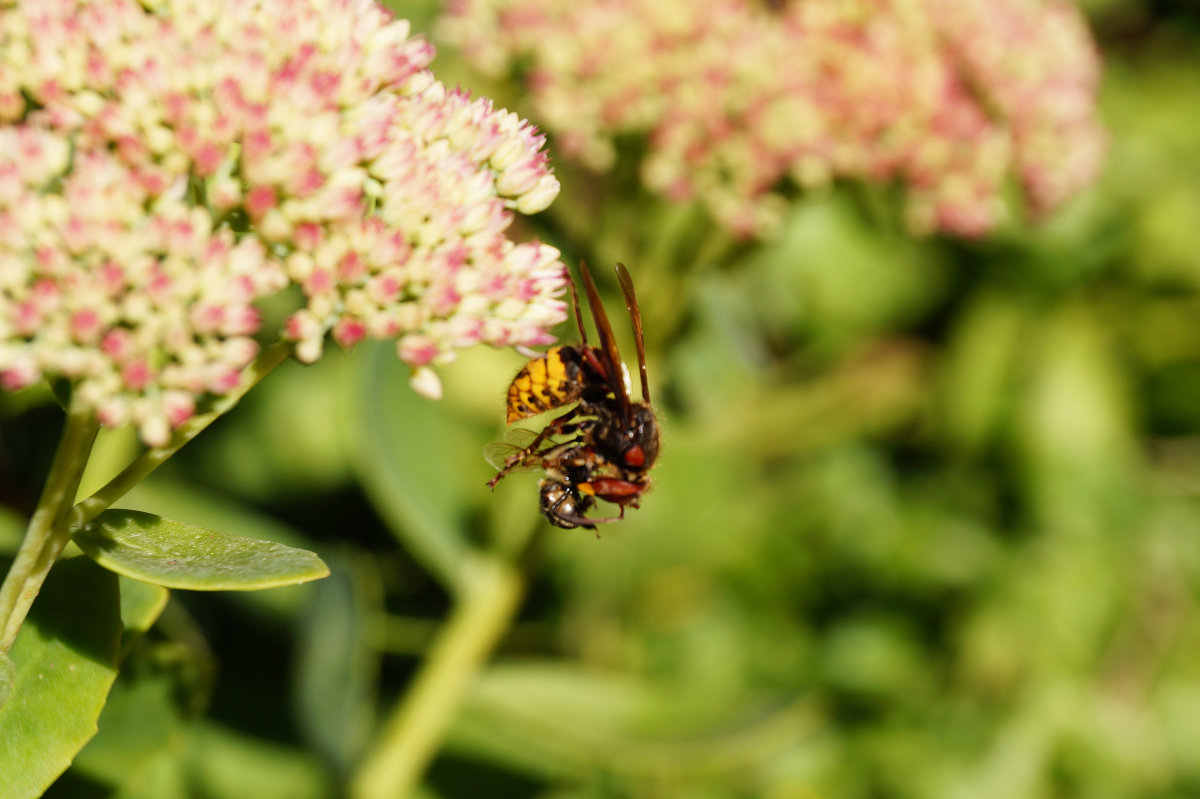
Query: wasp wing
609, 354
506, 458
513, 453
635, 314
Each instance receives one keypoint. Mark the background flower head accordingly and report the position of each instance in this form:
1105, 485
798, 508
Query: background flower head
164, 165
948, 98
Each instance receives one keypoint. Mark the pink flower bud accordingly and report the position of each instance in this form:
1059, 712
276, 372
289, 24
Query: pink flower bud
179, 169
733, 101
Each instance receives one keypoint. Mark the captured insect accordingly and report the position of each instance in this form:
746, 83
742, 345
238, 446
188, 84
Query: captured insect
603, 446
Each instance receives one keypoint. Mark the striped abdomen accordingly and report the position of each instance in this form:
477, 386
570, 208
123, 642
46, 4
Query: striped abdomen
546, 383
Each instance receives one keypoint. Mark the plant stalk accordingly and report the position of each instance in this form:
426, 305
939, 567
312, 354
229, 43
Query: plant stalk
53, 521
409, 738
48, 531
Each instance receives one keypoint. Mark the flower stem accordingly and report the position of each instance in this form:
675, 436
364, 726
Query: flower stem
151, 459
410, 736
48, 531
51, 525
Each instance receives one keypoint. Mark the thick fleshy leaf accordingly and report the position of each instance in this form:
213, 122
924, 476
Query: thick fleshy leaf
145, 718
8, 676
337, 660
65, 660
225, 764
410, 446
12, 527
141, 604
552, 720
173, 499
559, 722
178, 555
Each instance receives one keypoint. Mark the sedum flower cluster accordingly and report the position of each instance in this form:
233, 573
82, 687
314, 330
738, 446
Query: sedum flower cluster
165, 164
737, 99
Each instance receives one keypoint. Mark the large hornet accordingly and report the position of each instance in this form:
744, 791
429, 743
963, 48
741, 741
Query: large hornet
603, 446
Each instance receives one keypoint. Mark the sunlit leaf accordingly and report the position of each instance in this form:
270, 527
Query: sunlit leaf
144, 719
65, 660
178, 555
1073, 428
8, 676
174, 499
413, 466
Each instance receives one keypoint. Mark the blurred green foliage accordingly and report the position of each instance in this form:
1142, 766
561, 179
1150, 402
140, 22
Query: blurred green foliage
926, 523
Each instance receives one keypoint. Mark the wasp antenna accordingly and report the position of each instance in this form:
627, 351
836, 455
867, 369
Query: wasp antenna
635, 314
578, 312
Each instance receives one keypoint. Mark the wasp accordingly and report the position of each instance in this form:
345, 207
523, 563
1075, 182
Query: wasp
603, 446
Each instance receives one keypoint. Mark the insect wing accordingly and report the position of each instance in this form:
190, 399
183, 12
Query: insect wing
635, 314
499, 454
513, 452
520, 437
610, 355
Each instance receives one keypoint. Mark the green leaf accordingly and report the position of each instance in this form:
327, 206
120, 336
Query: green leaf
12, 529
337, 660
142, 720
548, 719
162, 687
177, 555
66, 660
175, 499
1073, 428
412, 466
162, 775
560, 721
222, 763
8, 677
141, 604
979, 368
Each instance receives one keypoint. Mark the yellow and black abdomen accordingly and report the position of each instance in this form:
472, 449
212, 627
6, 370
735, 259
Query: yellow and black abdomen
546, 383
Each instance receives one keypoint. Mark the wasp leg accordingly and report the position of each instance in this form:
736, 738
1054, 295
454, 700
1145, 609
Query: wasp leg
590, 524
557, 426
585, 521
610, 519
569, 518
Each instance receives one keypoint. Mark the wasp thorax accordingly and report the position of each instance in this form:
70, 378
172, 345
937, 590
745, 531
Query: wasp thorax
632, 445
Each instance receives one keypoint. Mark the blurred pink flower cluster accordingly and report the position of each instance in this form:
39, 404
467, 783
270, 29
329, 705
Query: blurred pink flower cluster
166, 163
949, 98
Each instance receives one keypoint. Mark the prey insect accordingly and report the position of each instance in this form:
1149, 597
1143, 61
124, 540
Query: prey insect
604, 445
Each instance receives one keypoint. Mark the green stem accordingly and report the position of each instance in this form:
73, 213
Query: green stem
51, 525
151, 459
48, 531
411, 735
